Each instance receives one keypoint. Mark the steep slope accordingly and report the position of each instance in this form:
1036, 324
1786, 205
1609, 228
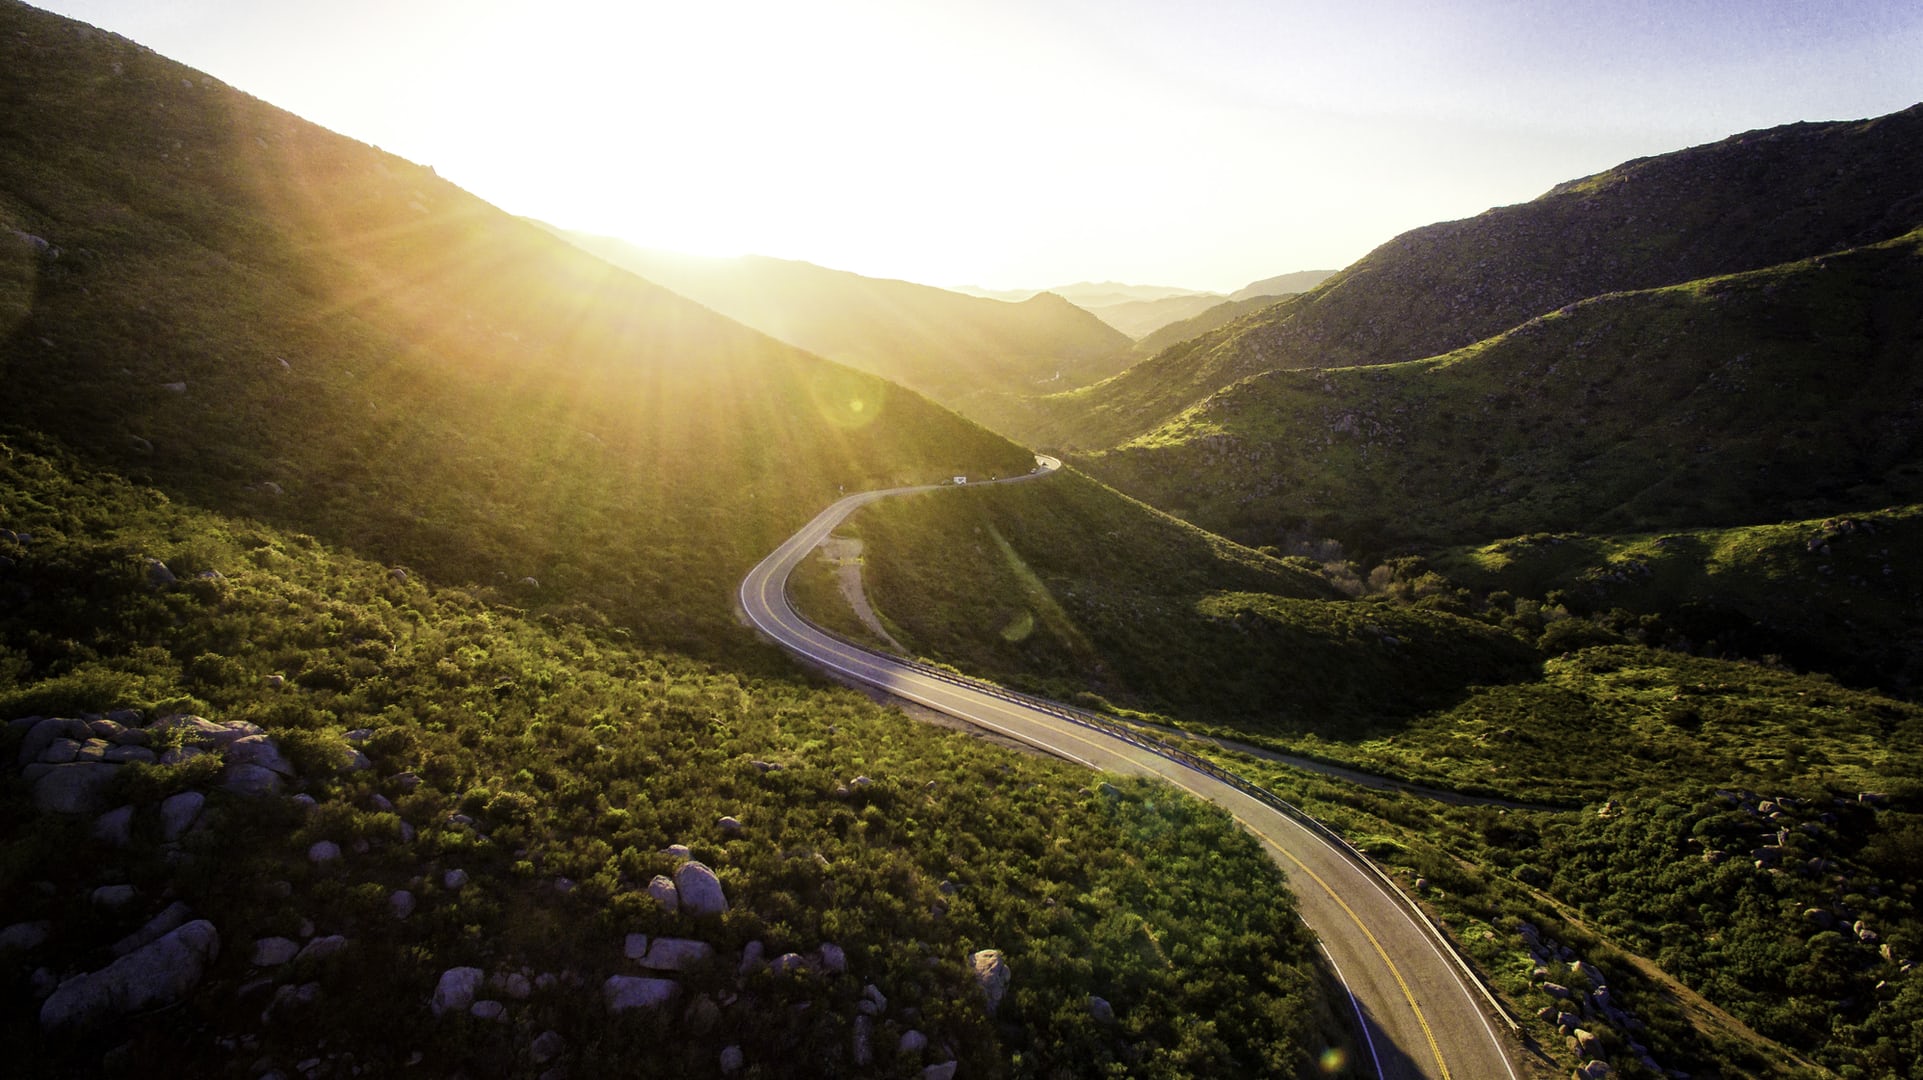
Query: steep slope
213, 296
963, 351
1783, 393
1748, 202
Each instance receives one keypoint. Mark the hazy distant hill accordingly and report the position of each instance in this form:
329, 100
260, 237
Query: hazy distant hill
966, 352
1105, 293
1137, 318
1283, 284
259, 316
1747, 202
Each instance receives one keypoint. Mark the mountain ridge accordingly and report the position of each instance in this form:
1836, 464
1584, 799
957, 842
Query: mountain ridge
1752, 200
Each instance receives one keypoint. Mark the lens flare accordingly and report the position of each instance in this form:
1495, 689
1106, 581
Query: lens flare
1334, 1061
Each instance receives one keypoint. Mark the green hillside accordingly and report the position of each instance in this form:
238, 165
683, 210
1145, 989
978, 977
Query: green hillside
1784, 393
297, 435
1071, 590
1748, 202
257, 315
966, 352
550, 764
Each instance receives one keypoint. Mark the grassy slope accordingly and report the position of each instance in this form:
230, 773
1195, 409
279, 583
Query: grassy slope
1784, 392
581, 755
1748, 202
967, 352
1838, 595
1067, 588
425, 378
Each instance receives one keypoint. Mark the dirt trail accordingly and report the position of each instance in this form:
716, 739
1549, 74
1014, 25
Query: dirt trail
845, 555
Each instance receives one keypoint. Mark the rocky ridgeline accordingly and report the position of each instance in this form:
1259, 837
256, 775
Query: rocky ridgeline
1586, 1013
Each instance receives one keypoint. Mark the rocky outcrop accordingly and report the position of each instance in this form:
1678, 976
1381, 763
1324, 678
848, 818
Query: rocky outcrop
154, 976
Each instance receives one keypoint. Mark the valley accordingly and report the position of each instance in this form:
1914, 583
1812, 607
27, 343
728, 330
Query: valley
426, 642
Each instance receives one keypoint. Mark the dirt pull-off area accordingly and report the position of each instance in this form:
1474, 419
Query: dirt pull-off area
844, 553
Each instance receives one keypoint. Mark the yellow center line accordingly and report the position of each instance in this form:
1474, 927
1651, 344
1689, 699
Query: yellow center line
1407, 994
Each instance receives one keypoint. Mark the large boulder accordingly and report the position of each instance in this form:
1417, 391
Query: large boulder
77, 788
677, 954
159, 974
274, 951
115, 827
44, 732
258, 750
172, 918
245, 778
663, 891
25, 937
992, 974
624, 992
455, 991
699, 890
178, 813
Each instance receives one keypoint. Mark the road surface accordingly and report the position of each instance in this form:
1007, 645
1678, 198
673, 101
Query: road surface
1419, 1014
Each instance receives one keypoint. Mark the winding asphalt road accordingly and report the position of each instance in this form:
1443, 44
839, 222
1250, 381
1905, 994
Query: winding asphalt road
1420, 1015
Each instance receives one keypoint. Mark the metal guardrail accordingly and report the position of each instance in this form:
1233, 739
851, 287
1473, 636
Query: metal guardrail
1164, 749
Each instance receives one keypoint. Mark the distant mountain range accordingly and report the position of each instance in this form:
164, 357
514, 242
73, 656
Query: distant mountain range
1142, 310
967, 352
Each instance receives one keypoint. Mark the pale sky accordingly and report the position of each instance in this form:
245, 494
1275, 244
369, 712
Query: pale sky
1201, 143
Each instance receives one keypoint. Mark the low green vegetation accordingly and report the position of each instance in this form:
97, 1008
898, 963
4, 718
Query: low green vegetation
1660, 891
572, 754
1063, 587
1557, 707
1838, 595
